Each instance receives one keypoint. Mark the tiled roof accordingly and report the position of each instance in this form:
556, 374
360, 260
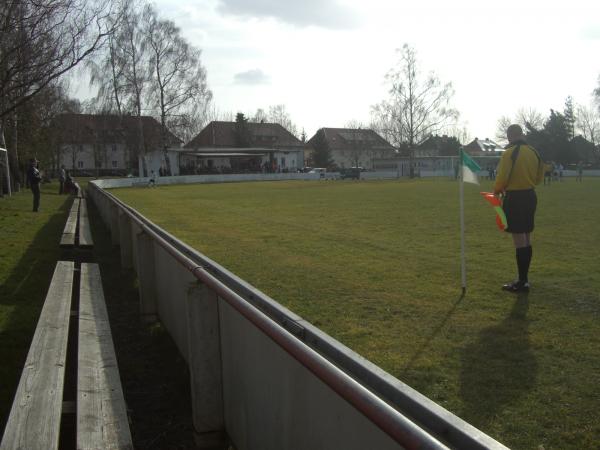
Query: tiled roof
349, 138
483, 146
264, 135
111, 129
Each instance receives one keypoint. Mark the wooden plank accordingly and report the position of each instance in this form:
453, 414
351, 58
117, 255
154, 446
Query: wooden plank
101, 413
68, 236
34, 420
85, 232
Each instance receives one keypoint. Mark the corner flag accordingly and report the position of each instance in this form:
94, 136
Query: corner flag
468, 171
469, 168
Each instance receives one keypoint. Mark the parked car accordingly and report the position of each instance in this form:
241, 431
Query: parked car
352, 173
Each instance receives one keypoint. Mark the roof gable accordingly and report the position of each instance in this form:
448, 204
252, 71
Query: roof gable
111, 129
223, 134
350, 138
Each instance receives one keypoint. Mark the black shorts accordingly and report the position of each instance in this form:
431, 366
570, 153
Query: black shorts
519, 208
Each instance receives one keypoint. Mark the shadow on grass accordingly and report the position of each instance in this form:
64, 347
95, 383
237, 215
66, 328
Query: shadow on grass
22, 294
434, 333
499, 367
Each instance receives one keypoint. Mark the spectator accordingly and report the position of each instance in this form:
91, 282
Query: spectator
34, 178
62, 177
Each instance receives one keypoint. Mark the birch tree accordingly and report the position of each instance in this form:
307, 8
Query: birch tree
417, 106
178, 77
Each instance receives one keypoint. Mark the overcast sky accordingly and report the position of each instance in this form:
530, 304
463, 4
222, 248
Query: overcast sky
326, 59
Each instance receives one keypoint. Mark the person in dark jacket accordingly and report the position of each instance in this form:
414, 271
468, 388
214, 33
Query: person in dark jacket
34, 177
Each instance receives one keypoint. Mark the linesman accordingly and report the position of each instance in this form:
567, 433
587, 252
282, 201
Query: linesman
519, 171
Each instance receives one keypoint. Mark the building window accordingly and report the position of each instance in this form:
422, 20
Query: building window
114, 164
98, 164
80, 164
282, 162
114, 147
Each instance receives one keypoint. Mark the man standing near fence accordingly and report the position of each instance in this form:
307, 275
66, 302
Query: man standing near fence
519, 171
62, 177
34, 178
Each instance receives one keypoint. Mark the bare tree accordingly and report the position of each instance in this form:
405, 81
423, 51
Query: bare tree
528, 118
418, 105
279, 114
41, 40
460, 132
260, 116
588, 123
501, 126
178, 77
107, 74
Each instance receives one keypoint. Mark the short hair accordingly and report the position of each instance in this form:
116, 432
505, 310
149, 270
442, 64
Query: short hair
514, 131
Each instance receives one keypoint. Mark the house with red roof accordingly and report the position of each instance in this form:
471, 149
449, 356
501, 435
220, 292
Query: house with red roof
242, 147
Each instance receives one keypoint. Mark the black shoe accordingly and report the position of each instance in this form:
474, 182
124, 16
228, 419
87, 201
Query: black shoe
516, 286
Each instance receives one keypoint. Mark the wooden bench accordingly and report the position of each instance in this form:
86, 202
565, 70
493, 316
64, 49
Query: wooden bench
77, 231
102, 422
35, 418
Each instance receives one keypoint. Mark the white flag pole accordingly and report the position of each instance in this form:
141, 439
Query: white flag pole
461, 182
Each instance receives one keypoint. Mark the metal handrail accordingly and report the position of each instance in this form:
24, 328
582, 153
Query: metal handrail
395, 423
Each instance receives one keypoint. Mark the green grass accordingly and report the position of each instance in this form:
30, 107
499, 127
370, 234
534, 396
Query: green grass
28, 254
376, 265
154, 376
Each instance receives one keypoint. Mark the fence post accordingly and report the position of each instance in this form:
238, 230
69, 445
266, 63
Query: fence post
134, 230
204, 343
125, 243
146, 277
114, 223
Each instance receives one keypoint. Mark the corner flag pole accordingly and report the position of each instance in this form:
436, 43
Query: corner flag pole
461, 182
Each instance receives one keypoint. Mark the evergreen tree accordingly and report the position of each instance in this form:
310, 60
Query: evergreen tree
242, 133
569, 114
553, 140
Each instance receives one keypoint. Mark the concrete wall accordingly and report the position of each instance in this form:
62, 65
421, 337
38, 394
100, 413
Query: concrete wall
249, 385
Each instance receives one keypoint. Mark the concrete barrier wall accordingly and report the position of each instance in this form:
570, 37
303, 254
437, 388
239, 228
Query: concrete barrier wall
249, 386
277, 403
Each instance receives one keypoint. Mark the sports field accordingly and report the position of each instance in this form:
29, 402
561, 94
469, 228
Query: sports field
376, 265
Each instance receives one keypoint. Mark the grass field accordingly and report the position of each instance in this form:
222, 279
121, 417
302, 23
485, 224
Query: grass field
376, 265
154, 377
28, 254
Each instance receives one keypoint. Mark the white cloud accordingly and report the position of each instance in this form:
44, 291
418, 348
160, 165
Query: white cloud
323, 13
499, 55
252, 77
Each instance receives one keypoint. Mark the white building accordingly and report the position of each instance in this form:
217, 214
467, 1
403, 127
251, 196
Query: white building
96, 145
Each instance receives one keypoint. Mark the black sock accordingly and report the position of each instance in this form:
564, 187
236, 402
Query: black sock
524, 255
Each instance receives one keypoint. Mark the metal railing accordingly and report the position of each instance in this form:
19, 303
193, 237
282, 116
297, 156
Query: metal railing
393, 414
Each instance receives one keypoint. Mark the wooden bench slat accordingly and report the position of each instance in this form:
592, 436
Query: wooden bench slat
34, 420
101, 413
85, 232
68, 236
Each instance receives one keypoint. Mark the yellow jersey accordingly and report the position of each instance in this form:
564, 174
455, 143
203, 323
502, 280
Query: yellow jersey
526, 172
